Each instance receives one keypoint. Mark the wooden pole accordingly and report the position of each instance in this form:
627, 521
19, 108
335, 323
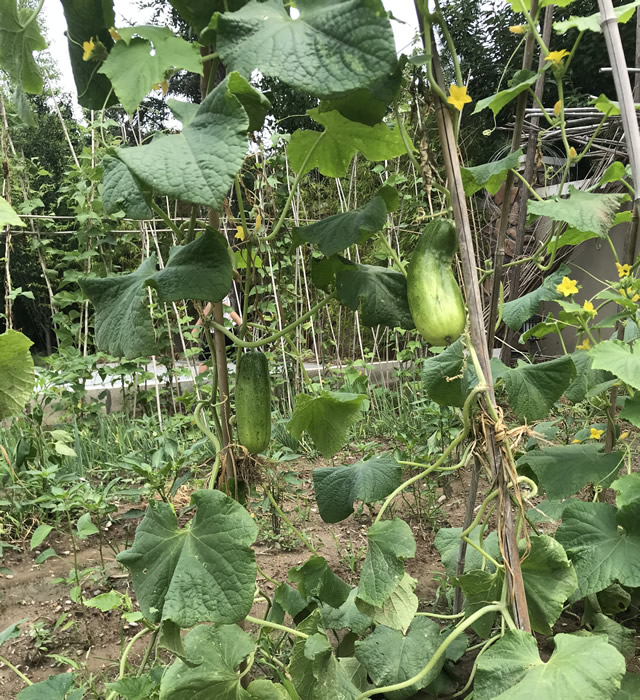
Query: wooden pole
622, 82
515, 585
521, 105
529, 168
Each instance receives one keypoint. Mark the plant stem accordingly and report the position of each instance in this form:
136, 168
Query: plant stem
472, 619
147, 651
125, 656
464, 431
158, 210
279, 334
392, 252
294, 187
297, 533
18, 673
275, 626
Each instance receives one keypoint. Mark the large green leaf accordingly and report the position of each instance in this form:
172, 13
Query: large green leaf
444, 379
337, 488
390, 543
86, 21
198, 12
121, 191
520, 82
16, 373
522, 5
316, 580
123, 322
591, 23
289, 600
516, 312
204, 572
586, 377
563, 470
19, 38
144, 57
619, 358
377, 293
393, 657
56, 687
336, 233
332, 48
447, 542
621, 637
369, 105
8, 216
549, 581
630, 688
601, 551
489, 175
480, 588
199, 164
631, 410
628, 490
584, 211
200, 270
347, 616
398, 610
589, 669
314, 669
134, 688
326, 417
339, 142
217, 651
534, 389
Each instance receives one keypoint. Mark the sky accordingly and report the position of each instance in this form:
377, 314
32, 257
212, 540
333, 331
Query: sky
128, 14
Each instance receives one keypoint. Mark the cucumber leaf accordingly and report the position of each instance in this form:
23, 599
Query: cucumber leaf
338, 488
578, 668
331, 49
205, 572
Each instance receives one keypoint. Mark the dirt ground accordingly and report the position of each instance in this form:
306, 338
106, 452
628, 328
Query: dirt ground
93, 640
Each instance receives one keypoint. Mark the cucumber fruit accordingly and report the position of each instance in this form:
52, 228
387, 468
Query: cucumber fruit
435, 299
253, 402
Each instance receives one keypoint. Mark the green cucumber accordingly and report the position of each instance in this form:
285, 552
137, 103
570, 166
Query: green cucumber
253, 402
435, 299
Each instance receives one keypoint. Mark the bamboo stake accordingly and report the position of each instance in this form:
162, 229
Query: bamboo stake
529, 166
515, 585
521, 105
609, 24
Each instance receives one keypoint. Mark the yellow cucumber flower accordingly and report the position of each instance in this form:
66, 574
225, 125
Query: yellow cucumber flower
589, 308
557, 57
458, 96
623, 270
585, 345
518, 29
94, 50
88, 47
595, 434
567, 287
557, 107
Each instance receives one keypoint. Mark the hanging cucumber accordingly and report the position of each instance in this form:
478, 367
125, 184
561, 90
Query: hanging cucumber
435, 300
253, 402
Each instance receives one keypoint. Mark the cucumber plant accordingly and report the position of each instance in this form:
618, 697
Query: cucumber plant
203, 576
